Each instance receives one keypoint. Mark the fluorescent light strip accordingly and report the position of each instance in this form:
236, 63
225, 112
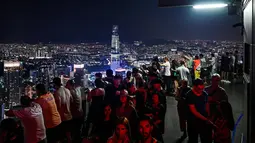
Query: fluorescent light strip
209, 6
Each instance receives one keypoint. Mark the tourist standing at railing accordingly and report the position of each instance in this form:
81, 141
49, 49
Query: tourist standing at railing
63, 100
155, 63
166, 73
76, 109
197, 67
51, 116
213, 63
183, 72
31, 116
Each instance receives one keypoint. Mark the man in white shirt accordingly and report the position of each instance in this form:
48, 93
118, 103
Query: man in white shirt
63, 100
32, 120
167, 75
183, 71
76, 108
213, 63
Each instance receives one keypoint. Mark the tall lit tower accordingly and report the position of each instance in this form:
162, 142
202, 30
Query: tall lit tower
115, 49
115, 39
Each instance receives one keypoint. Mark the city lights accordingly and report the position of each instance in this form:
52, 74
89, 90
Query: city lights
11, 64
209, 6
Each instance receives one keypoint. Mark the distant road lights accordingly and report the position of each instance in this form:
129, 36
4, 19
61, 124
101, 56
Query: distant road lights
209, 6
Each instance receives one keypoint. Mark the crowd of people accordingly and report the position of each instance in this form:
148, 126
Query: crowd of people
124, 110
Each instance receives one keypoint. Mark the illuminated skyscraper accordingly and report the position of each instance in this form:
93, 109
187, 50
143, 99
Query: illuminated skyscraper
115, 51
1, 81
12, 83
115, 39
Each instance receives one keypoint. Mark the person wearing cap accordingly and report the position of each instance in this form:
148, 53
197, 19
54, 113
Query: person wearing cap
216, 94
63, 100
198, 123
128, 111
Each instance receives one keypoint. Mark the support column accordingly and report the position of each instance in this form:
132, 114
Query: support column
252, 85
249, 38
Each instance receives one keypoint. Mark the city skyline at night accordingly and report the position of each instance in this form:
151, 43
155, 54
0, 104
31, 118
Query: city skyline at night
71, 22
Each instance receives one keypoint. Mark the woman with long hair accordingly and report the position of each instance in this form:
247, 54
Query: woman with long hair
128, 111
105, 127
122, 133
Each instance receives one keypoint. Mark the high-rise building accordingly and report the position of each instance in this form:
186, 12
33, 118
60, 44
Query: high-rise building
1, 68
1, 80
115, 39
12, 83
115, 49
2, 89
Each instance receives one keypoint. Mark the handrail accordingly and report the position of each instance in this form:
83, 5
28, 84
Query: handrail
236, 124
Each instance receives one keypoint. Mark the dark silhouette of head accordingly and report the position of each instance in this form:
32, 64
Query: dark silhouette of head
109, 73
40, 89
25, 101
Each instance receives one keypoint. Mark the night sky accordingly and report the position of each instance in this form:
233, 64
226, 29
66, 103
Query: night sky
92, 20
